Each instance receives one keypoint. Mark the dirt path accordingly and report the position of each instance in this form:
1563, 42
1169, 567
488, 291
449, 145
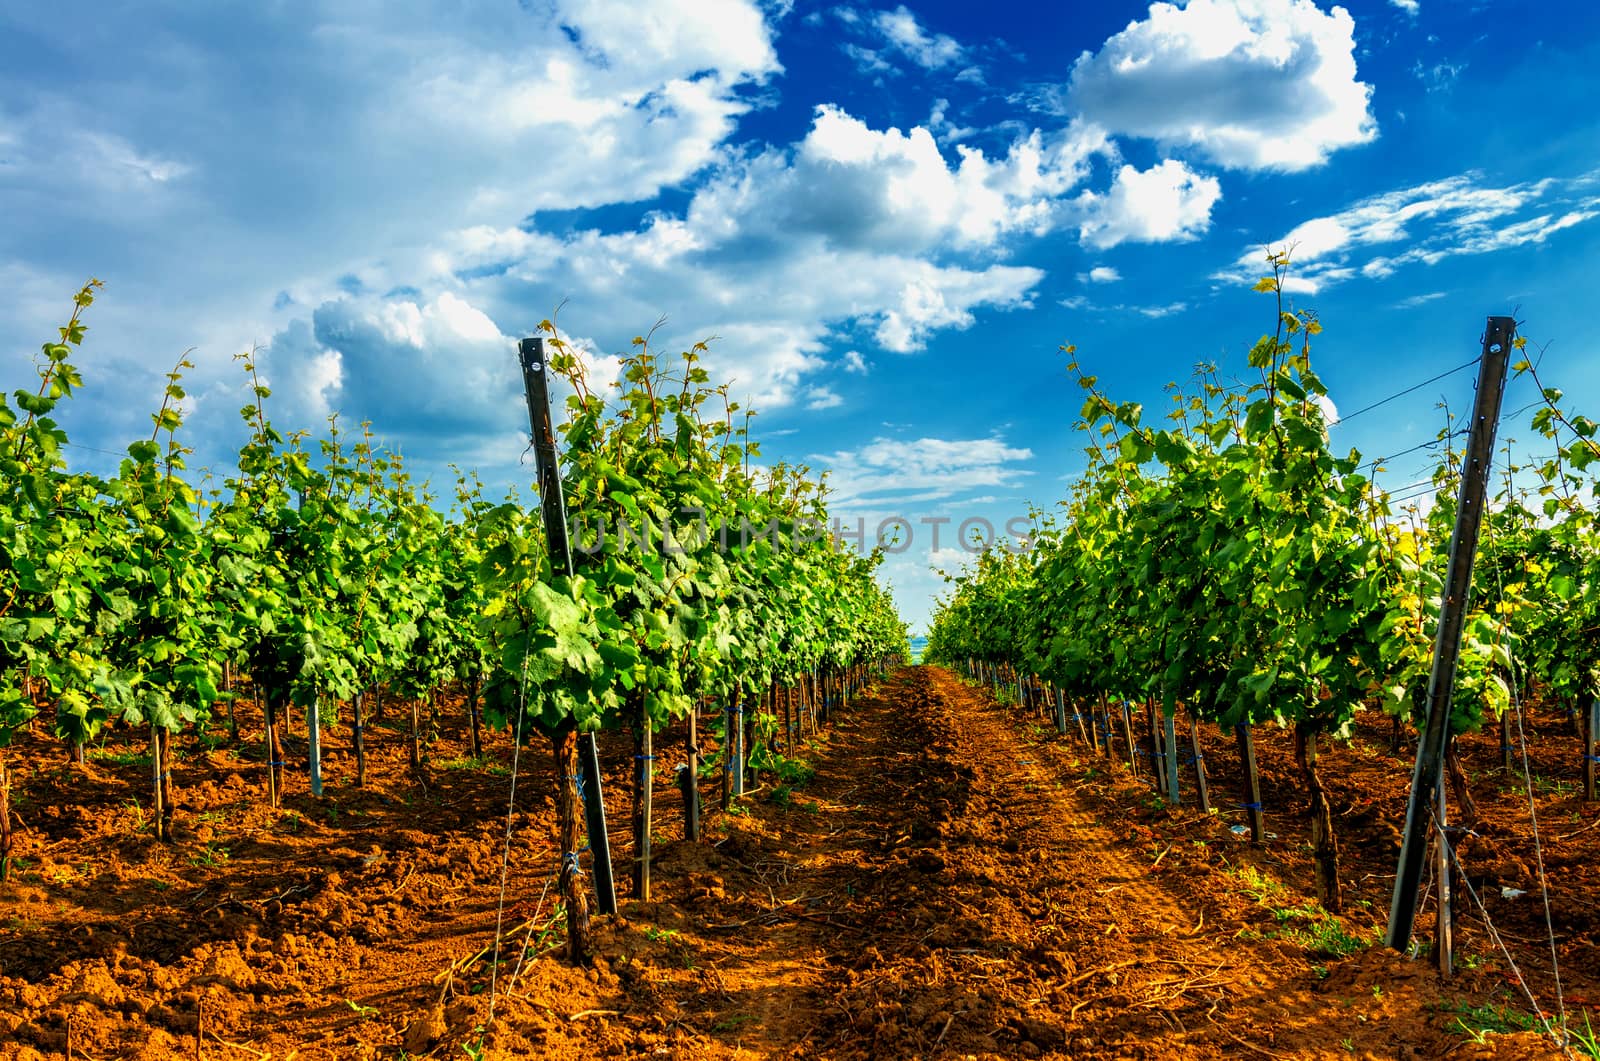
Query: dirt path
954, 882
997, 913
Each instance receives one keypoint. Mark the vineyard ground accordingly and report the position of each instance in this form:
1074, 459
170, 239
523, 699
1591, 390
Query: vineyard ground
954, 882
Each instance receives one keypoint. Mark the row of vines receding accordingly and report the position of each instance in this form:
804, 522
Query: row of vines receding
1231, 561
319, 574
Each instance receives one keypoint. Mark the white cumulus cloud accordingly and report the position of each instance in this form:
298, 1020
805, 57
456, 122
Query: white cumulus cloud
1252, 84
1167, 202
896, 190
911, 243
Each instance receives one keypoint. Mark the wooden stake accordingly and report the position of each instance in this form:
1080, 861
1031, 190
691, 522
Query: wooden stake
5, 818
274, 752
476, 715
1591, 724
788, 721
1169, 743
691, 784
734, 751
1505, 741
647, 777
1444, 936
1251, 783
1127, 737
1201, 787
157, 811
1158, 761
416, 736
358, 736
564, 746
314, 743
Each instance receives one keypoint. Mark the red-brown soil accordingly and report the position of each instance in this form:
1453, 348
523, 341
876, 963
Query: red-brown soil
956, 881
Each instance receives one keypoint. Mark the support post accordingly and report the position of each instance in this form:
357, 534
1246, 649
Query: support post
358, 736
269, 713
1127, 739
689, 780
1200, 786
475, 715
231, 696
644, 819
5, 819
1444, 937
169, 806
734, 752
1591, 724
553, 507
1169, 738
416, 737
1505, 741
594, 813
158, 810
1251, 783
314, 743
1158, 762
1497, 339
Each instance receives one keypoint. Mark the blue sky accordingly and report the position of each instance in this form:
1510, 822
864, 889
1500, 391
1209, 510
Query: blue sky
891, 215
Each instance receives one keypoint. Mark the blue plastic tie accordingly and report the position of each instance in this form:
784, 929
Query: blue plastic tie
643, 757
277, 764
1251, 806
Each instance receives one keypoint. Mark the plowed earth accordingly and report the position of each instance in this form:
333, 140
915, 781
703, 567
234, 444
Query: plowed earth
956, 881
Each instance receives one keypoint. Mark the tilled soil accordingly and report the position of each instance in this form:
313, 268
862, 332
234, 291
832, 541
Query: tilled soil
954, 882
